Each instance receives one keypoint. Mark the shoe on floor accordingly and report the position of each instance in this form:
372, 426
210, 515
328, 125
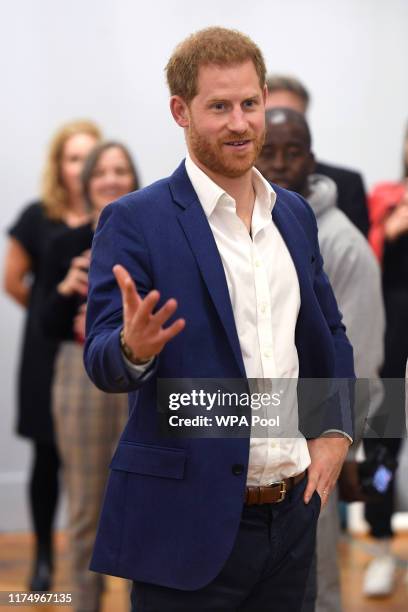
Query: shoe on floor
379, 577
41, 577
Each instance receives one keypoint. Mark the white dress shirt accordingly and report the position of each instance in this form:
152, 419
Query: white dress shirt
265, 297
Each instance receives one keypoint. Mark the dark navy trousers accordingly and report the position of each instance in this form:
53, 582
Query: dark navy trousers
267, 569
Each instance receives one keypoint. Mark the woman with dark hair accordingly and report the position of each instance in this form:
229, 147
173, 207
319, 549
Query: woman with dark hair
61, 206
88, 422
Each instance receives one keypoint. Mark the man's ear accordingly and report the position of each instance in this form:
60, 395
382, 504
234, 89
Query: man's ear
180, 112
265, 93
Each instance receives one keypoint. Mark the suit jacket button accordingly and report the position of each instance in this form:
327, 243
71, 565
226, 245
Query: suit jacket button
237, 469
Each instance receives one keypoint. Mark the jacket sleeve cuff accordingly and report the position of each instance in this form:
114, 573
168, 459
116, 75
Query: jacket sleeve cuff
343, 433
139, 372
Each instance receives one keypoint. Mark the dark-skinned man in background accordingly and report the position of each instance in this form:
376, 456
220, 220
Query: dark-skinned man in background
287, 160
287, 91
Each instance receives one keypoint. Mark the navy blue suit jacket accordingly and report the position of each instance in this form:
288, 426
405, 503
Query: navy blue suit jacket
172, 510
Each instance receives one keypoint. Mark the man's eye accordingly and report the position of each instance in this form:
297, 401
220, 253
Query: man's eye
293, 153
219, 106
249, 103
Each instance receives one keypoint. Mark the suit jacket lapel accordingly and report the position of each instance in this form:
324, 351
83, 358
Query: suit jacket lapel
199, 235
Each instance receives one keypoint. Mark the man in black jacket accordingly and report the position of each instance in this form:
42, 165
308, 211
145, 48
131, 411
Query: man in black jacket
289, 92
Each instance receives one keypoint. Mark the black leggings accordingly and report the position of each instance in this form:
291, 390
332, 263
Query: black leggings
43, 494
379, 514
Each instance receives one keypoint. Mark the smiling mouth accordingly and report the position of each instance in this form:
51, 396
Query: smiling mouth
238, 143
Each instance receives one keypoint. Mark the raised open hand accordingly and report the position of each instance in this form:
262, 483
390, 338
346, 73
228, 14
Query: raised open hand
143, 330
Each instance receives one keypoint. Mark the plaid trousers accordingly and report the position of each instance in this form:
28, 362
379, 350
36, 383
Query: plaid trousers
88, 423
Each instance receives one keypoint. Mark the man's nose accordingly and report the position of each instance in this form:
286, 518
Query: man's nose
278, 161
237, 121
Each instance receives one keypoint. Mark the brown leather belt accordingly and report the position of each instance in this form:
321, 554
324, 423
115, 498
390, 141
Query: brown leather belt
272, 494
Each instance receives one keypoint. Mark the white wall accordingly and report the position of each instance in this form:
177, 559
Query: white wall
104, 59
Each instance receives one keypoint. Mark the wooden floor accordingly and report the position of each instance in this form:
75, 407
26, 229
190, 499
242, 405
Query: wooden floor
354, 555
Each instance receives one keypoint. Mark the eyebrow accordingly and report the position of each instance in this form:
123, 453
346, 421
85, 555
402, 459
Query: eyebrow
222, 98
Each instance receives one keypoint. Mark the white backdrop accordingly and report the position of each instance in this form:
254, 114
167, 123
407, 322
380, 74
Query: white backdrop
104, 59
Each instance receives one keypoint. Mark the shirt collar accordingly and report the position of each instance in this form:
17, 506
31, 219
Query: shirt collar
209, 193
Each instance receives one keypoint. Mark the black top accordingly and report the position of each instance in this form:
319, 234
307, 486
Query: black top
34, 231
351, 196
58, 311
395, 287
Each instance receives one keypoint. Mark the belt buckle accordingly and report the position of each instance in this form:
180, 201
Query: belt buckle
282, 490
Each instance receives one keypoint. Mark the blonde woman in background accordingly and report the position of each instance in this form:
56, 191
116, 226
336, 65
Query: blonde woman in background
88, 422
61, 206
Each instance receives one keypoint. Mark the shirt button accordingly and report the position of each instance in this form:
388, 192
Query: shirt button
263, 307
237, 469
257, 263
267, 354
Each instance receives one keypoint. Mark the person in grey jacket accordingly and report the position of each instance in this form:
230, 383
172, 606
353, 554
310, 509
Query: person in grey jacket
287, 160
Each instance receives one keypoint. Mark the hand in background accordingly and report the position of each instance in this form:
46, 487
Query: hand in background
76, 280
143, 331
327, 455
396, 223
